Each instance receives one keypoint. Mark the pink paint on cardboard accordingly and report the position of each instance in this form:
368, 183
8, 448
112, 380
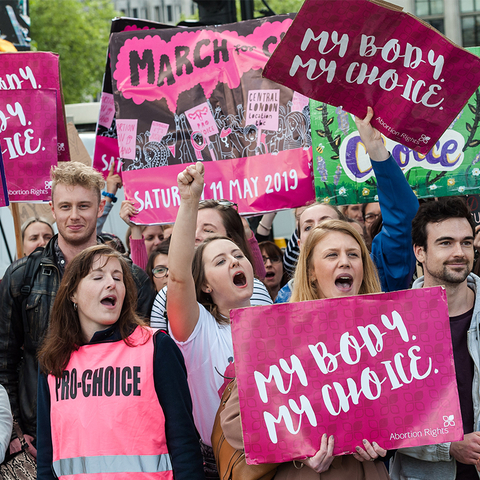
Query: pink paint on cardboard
28, 132
201, 120
382, 58
127, 136
254, 184
218, 62
157, 131
262, 109
107, 110
105, 154
37, 70
378, 367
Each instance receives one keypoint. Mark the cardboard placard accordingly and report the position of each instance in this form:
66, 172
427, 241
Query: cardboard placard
378, 367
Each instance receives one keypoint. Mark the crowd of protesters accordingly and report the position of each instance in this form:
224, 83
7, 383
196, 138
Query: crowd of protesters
114, 357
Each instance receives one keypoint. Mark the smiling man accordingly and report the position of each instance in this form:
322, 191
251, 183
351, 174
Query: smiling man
76, 204
442, 235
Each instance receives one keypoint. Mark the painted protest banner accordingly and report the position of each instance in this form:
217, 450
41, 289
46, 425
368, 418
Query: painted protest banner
28, 139
38, 71
205, 84
371, 366
343, 172
4, 202
372, 54
106, 149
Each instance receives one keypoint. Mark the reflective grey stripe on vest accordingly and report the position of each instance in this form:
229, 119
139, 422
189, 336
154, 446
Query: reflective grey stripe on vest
113, 464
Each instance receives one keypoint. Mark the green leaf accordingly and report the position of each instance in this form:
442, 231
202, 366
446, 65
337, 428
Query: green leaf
78, 30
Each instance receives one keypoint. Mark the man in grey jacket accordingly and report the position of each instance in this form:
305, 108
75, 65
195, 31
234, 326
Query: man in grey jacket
443, 235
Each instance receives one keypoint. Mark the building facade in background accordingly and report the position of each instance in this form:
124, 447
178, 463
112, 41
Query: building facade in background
459, 20
163, 11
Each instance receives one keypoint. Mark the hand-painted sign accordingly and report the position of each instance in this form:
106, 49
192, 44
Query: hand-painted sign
343, 172
28, 139
37, 70
375, 55
378, 367
4, 202
251, 185
205, 84
106, 145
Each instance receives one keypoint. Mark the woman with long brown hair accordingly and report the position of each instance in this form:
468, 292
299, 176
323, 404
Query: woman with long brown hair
113, 396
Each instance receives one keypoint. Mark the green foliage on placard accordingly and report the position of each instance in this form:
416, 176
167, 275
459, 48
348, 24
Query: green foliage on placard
78, 30
331, 127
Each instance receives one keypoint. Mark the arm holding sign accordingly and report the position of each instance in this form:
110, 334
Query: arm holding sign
392, 250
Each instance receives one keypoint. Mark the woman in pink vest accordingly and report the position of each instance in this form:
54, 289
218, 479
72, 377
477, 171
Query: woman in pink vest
113, 396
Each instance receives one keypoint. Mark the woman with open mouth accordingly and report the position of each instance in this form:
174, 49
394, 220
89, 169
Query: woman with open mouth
275, 276
199, 300
113, 397
335, 262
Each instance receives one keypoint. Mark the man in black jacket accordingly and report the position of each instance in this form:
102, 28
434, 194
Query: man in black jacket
76, 204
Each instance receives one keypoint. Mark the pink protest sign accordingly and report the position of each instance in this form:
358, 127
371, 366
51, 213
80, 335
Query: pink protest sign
157, 131
106, 146
127, 133
28, 136
107, 110
205, 84
4, 202
378, 367
201, 120
416, 80
255, 186
37, 70
262, 108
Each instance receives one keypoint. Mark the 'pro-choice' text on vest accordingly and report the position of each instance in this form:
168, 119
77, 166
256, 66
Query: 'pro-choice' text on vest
105, 414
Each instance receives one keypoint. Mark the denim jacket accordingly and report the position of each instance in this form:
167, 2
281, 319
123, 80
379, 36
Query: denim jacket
434, 461
24, 323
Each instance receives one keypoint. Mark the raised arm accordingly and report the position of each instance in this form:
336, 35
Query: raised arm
182, 307
392, 250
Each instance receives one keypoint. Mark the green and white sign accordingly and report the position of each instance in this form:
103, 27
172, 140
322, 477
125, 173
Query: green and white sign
343, 172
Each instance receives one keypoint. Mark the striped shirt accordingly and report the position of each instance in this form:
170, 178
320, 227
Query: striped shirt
158, 317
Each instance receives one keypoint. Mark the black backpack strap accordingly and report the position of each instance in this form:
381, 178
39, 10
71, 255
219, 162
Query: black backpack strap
31, 267
34, 261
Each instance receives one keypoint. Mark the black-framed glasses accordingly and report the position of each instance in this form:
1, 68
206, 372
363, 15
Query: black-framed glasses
273, 259
371, 217
159, 272
224, 203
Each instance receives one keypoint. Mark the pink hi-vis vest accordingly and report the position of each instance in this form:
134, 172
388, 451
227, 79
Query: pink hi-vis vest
105, 413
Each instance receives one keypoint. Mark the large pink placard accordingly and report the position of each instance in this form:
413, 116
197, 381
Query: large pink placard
254, 184
28, 139
37, 70
415, 79
378, 367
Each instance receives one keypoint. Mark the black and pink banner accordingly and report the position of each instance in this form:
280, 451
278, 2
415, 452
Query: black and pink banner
187, 95
106, 150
